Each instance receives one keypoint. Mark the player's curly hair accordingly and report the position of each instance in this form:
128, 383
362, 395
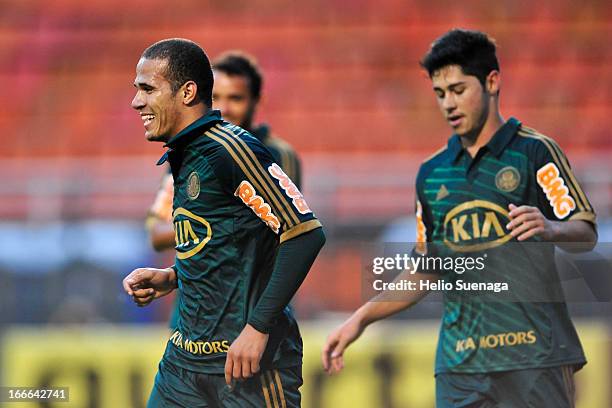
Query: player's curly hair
241, 64
473, 51
187, 61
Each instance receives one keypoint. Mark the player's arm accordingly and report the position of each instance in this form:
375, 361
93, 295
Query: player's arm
159, 219
563, 215
161, 235
376, 309
384, 304
527, 221
147, 284
248, 172
293, 261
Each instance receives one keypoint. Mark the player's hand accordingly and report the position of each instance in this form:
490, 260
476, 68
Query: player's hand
244, 354
526, 222
337, 342
146, 284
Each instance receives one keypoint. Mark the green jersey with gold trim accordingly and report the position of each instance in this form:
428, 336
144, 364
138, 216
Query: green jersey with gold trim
462, 210
233, 206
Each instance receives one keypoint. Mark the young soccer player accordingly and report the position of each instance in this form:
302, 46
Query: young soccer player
496, 183
246, 240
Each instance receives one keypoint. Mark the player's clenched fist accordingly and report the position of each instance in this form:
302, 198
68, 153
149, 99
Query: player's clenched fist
146, 284
337, 342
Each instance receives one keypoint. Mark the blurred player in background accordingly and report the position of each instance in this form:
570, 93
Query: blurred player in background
236, 93
495, 182
246, 239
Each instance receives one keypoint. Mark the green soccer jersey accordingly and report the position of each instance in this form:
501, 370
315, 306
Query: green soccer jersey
282, 153
462, 209
232, 207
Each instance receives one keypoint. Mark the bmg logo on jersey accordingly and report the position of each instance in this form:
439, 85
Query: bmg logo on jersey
475, 225
191, 233
557, 193
246, 192
290, 188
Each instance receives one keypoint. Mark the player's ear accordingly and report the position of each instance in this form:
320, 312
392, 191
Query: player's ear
493, 82
189, 91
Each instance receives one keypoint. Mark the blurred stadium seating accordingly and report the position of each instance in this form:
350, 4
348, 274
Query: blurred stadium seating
342, 84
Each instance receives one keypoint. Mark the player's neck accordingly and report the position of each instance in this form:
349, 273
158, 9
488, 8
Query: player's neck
472, 142
189, 116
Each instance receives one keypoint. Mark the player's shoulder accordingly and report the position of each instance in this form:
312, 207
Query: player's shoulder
535, 143
232, 137
231, 142
436, 159
232, 130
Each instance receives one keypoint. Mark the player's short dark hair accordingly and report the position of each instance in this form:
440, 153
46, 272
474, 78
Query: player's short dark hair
241, 64
473, 51
187, 61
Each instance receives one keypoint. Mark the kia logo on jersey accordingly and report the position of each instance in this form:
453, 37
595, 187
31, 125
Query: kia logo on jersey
191, 233
476, 225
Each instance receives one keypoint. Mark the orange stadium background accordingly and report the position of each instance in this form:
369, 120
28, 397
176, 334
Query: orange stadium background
343, 86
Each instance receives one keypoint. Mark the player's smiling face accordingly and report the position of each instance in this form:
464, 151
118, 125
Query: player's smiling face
232, 96
154, 100
461, 98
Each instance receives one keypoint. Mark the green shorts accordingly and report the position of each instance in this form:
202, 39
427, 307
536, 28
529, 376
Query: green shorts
539, 388
177, 387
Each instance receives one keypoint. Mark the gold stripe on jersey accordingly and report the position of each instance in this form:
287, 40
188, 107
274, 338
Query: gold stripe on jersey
280, 389
583, 196
565, 164
249, 171
264, 172
561, 161
264, 389
300, 229
559, 164
272, 387
241, 147
584, 216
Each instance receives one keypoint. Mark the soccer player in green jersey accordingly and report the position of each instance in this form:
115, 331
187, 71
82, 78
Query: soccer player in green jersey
501, 187
246, 240
236, 93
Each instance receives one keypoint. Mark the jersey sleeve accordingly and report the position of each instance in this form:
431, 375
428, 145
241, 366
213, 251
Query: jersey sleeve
424, 224
247, 170
560, 197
